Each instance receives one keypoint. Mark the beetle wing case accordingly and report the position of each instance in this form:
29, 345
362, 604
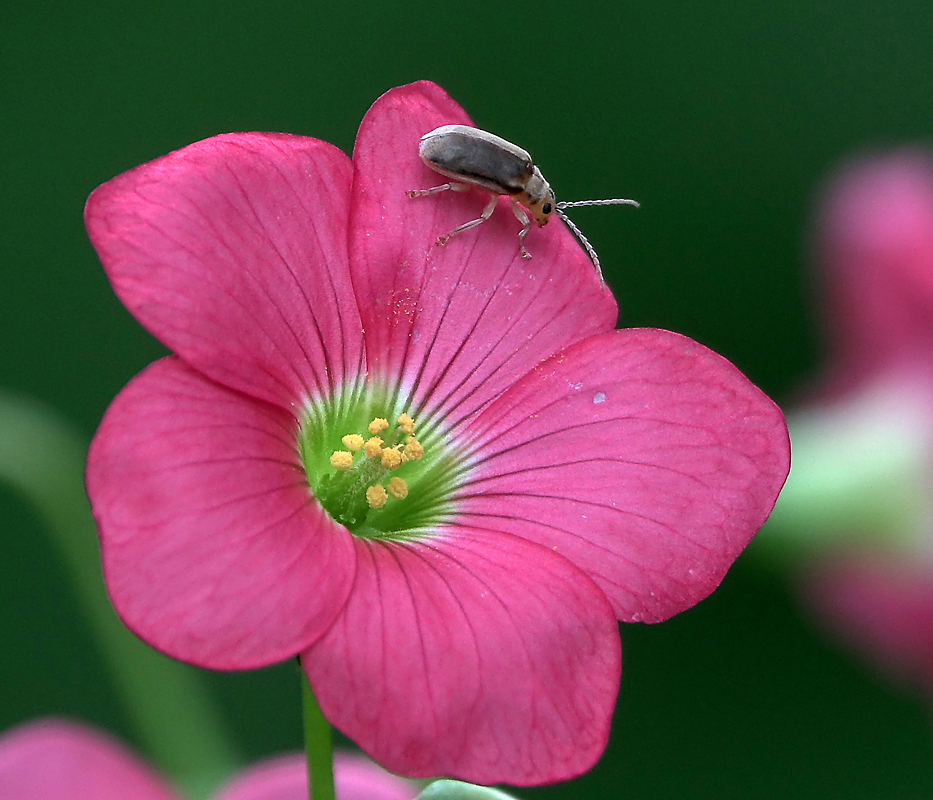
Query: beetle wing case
478, 158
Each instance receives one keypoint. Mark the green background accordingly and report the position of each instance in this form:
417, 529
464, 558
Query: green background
721, 118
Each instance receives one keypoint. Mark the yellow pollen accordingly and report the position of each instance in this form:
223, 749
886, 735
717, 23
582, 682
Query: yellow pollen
407, 424
353, 442
378, 425
376, 496
341, 459
398, 488
391, 458
373, 447
414, 450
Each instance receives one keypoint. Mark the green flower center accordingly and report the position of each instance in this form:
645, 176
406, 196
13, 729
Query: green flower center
375, 469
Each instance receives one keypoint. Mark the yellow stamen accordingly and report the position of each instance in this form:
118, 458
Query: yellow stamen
398, 488
341, 459
414, 450
407, 424
353, 442
376, 496
373, 447
378, 425
391, 458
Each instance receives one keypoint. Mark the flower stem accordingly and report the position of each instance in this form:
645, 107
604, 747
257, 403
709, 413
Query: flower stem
317, 746
174, 716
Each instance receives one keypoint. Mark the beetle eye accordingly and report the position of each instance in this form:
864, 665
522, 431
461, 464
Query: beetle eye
546, 208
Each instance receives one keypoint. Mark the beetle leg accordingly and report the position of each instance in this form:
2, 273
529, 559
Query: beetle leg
487, 213
526, 222
457, 187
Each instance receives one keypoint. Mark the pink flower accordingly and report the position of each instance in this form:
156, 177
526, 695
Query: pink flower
571, 475
882, 606
53, 760
875, 260
56, 760
286, 778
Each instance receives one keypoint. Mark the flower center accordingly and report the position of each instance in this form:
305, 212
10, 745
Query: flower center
382, 480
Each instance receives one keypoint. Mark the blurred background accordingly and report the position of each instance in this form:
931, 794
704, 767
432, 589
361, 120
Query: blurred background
722, 118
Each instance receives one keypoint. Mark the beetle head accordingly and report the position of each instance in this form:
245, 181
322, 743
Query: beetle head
538, 198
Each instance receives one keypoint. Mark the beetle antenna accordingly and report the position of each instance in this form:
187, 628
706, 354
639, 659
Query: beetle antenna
584, 241
617, 201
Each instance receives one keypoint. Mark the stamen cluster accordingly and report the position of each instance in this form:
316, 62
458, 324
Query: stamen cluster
371, 460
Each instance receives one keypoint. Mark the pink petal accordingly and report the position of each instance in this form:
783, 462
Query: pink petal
214, 550
472, 655
285, 778
875, 248
883, 606
641, 456
56, 760
233, 252
456, 323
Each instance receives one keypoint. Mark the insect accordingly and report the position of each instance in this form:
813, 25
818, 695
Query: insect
474, 158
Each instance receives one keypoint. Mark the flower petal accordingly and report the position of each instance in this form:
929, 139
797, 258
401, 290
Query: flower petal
455, 323
232, 251
51, 759
285, 778
214, 551
476, 655
641, 456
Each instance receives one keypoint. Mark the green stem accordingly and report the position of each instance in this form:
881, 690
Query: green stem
174, 716
318, 746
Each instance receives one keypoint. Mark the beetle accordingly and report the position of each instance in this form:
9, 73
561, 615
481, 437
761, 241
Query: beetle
471, 157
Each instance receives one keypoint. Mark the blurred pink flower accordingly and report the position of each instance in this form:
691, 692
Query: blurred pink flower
572, 474
52, 759
286, 778
874, 248
874, 259
881, 605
